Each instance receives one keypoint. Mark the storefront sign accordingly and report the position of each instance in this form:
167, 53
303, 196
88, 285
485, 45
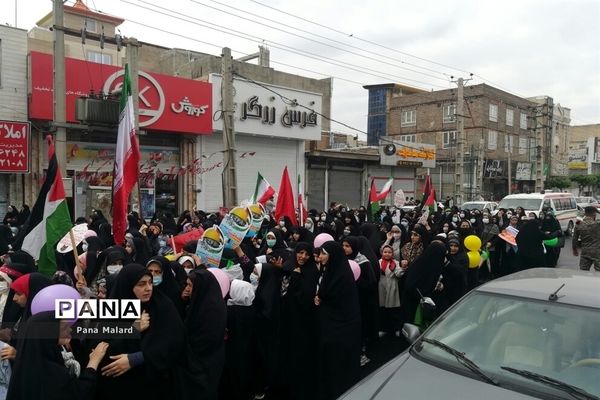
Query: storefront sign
523, 172
493, 169
166, 103
406, 154
578, 158
15, 138
267, 110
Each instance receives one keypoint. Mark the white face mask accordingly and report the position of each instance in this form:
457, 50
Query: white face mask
282, 223
461, 215
404, 223
472, 220
346, 232
162, 243
308, 226
486, 221
454, 219
396, 236
3, 286
445, 229
84, 247
113, 269
188, 270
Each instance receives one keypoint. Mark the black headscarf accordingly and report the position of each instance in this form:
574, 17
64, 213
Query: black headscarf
169, 286
353, 242
39, 371
205, 326
105, 234
141, 254
95, 245
20, 264
37, 282
162, 344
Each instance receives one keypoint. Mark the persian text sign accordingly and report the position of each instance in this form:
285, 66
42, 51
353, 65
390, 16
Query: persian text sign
166, 103
406, 154
14, 146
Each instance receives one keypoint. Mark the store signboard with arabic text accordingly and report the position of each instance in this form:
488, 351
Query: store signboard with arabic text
406, 154
266, 110
15, 138
166, 103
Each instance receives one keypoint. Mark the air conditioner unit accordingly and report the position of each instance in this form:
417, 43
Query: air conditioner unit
94, 111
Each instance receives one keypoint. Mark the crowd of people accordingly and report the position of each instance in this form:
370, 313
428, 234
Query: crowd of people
297, 322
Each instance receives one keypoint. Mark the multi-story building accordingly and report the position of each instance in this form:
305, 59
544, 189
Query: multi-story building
584, 149
180, 118
13, 108
504, 133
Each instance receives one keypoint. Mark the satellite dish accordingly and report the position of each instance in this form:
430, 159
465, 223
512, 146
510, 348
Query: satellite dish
389, 149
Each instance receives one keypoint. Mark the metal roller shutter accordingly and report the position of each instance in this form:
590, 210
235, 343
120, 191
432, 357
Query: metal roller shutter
345, 187
316, 188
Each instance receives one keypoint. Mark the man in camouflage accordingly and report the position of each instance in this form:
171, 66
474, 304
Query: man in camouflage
587, 237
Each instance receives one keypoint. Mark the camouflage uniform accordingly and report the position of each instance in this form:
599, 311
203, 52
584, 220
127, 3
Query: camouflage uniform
588, 231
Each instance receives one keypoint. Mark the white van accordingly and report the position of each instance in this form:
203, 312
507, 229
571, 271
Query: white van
563, 204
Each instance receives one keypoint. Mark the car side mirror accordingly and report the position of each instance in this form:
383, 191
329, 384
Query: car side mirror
411, 332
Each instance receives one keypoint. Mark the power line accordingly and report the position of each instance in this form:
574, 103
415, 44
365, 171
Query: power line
250, 37
358, 38
323, 37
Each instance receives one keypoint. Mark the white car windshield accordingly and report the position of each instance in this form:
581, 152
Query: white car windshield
555, 340
526, 204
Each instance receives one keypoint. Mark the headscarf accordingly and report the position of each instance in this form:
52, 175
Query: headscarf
30, 285
424, 272
169, 286
241, 293
39, 371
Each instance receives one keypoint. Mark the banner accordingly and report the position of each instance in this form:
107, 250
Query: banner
257, 216
509, 235
210, 247
493, 169
523, 172
14, 146
234, 226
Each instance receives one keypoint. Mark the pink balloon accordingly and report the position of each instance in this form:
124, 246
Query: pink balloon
355, 269
322, 238
223, 280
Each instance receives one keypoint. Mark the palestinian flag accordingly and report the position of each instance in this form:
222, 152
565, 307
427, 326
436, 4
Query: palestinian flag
373, 200
49, 220
429, 195
385, 191
263, 192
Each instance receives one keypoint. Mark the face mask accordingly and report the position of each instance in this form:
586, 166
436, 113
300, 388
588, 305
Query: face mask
455, 219
472, 220
188, 270
397, 236
308, 226
84, 247
508, 215
282, 223
486, 221
383, 214
3, 286
445, 229
156, 280
271, 242
404, 223
346, 232
113, 269
254, 280
461, 215
162, 243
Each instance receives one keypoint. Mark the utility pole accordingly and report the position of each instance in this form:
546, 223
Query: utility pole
229, 176
480, 168
510, 170
459, 168
539, 163
60, 113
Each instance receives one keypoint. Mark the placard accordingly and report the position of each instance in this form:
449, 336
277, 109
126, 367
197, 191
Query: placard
15, 139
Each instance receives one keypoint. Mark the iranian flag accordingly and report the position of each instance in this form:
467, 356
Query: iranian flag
285, 199
263, 192
49, 220
385, 191
127, 158
301, 210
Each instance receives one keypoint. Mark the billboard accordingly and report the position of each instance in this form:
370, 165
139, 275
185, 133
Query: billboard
15, 149
406, 154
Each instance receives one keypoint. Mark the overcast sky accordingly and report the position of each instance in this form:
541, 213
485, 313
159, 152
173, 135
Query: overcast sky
530, 48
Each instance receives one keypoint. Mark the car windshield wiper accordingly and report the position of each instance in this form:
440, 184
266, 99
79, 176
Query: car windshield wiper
463, 359
574, 391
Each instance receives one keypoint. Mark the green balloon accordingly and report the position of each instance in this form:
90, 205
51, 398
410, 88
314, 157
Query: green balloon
485, 255
551, 242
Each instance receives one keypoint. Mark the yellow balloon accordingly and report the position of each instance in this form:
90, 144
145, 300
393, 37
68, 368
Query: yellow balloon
472, 243
474, 259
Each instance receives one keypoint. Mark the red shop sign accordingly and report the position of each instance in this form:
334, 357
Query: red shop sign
166, 103
14, 146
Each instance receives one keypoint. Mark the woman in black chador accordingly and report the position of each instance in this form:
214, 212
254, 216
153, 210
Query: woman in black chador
338, 313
